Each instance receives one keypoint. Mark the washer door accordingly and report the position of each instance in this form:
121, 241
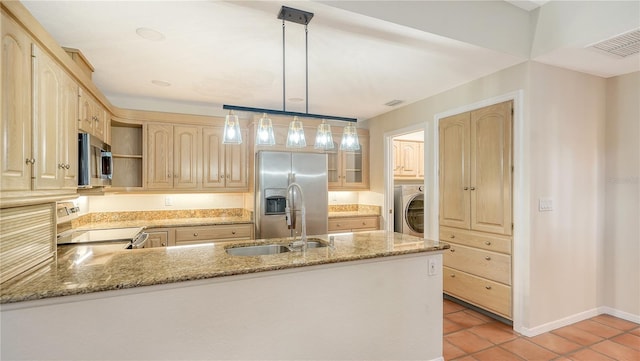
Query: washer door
414, 213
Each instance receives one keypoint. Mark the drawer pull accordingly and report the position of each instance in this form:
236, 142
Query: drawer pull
163, 244
338, 224
487, 287
452, 236
364, 223
452, 250
195, 234
488, 258
233, 232
488, 243
453, 275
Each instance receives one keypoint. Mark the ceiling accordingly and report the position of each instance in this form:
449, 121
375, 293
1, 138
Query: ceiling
362, 54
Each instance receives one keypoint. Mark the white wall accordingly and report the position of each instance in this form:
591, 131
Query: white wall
622, 206
566, 123
157, 202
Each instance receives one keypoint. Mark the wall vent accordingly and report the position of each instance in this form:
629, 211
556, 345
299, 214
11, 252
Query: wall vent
620, 46
393, 103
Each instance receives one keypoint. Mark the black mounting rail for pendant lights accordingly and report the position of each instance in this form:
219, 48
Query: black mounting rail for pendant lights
299, 17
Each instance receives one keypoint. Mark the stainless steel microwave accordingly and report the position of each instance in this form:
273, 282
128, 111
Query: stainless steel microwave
95, 162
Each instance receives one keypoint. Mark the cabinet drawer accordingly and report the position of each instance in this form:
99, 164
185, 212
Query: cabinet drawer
491, 265
212, 233
492, 296
486, 241
353, 224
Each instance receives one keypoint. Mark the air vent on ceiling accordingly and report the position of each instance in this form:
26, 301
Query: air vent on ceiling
393, 103
621, 46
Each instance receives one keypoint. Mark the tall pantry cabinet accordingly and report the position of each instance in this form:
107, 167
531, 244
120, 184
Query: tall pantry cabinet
476, 206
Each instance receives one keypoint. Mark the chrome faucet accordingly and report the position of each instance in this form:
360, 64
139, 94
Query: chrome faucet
290, 222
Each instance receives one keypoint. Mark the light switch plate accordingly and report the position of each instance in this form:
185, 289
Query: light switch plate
433, 266
545, 204
168, 201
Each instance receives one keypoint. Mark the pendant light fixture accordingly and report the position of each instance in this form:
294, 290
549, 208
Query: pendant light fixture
231, 133
295, 136
264, 134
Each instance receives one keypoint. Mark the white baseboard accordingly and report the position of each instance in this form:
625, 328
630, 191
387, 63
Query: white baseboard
566, 321
619, 314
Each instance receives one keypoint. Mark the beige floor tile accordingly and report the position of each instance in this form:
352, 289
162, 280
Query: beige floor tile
629, 340
449, 326
555, 343
597, 328
496, 354
617, 351
464, 319
528, 350
589, 355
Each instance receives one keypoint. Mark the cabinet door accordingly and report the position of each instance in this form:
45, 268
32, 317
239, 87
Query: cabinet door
491, 169
157, 239
160, 156
334, 165
355, 166
186, 144
236, 164
213, 158
454, 171
15, 139
409, 159
69, 132
100, 120
85, 112
421, 160
47, 101
397, 158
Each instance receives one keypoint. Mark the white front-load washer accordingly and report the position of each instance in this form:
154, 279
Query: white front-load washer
409, 209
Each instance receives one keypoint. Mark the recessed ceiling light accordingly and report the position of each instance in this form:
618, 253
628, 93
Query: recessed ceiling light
150, 34
160, 83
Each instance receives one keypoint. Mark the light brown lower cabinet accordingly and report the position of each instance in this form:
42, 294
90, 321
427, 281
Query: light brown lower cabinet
478, 291
217, 233
354, 224
160, 237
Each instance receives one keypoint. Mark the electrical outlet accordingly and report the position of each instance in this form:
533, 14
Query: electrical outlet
168, 201
545, 204
433, 266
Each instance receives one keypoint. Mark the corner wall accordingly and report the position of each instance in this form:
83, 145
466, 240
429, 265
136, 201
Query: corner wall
622, 206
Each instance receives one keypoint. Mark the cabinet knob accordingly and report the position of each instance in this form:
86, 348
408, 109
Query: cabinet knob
338, 224
453, 275
488, 258
452, 236
221, 176
487, 287
488, 243
163, 244
195, 234
466, 188
61, 166
30, 161
452, 250
67, 166
473, 188
233, 232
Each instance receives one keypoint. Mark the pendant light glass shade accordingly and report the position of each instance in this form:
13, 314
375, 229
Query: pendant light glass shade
264, 134
295, 137
324, 138
231, 133
350, 141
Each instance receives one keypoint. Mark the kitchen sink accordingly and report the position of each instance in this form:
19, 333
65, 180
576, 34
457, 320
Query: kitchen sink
265, 249
268, 249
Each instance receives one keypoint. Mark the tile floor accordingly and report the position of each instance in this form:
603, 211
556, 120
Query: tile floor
469, 335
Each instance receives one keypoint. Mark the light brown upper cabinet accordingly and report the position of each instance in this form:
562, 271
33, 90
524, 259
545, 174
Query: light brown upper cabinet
408, 157
223, 165
39, 103
476, 169
173, 156
94, 118
348, 170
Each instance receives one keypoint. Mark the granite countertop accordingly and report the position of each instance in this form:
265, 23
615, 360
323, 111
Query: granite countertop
82, 269
169, 222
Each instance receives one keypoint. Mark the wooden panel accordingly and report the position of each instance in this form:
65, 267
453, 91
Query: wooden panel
68, 134
409, 158
160, 156
349, 224
27, 238
213, 158
186, 144
47, 101
157, 239
486, 264
483, 293
491, 169
188, 235
85, 112
236, 164
454, 171
488, 241
15, 137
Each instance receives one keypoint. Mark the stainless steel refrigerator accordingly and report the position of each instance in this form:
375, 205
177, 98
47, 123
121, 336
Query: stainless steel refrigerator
274, 172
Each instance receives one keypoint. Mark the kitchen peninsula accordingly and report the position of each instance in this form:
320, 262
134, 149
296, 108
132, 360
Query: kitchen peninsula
375, 295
